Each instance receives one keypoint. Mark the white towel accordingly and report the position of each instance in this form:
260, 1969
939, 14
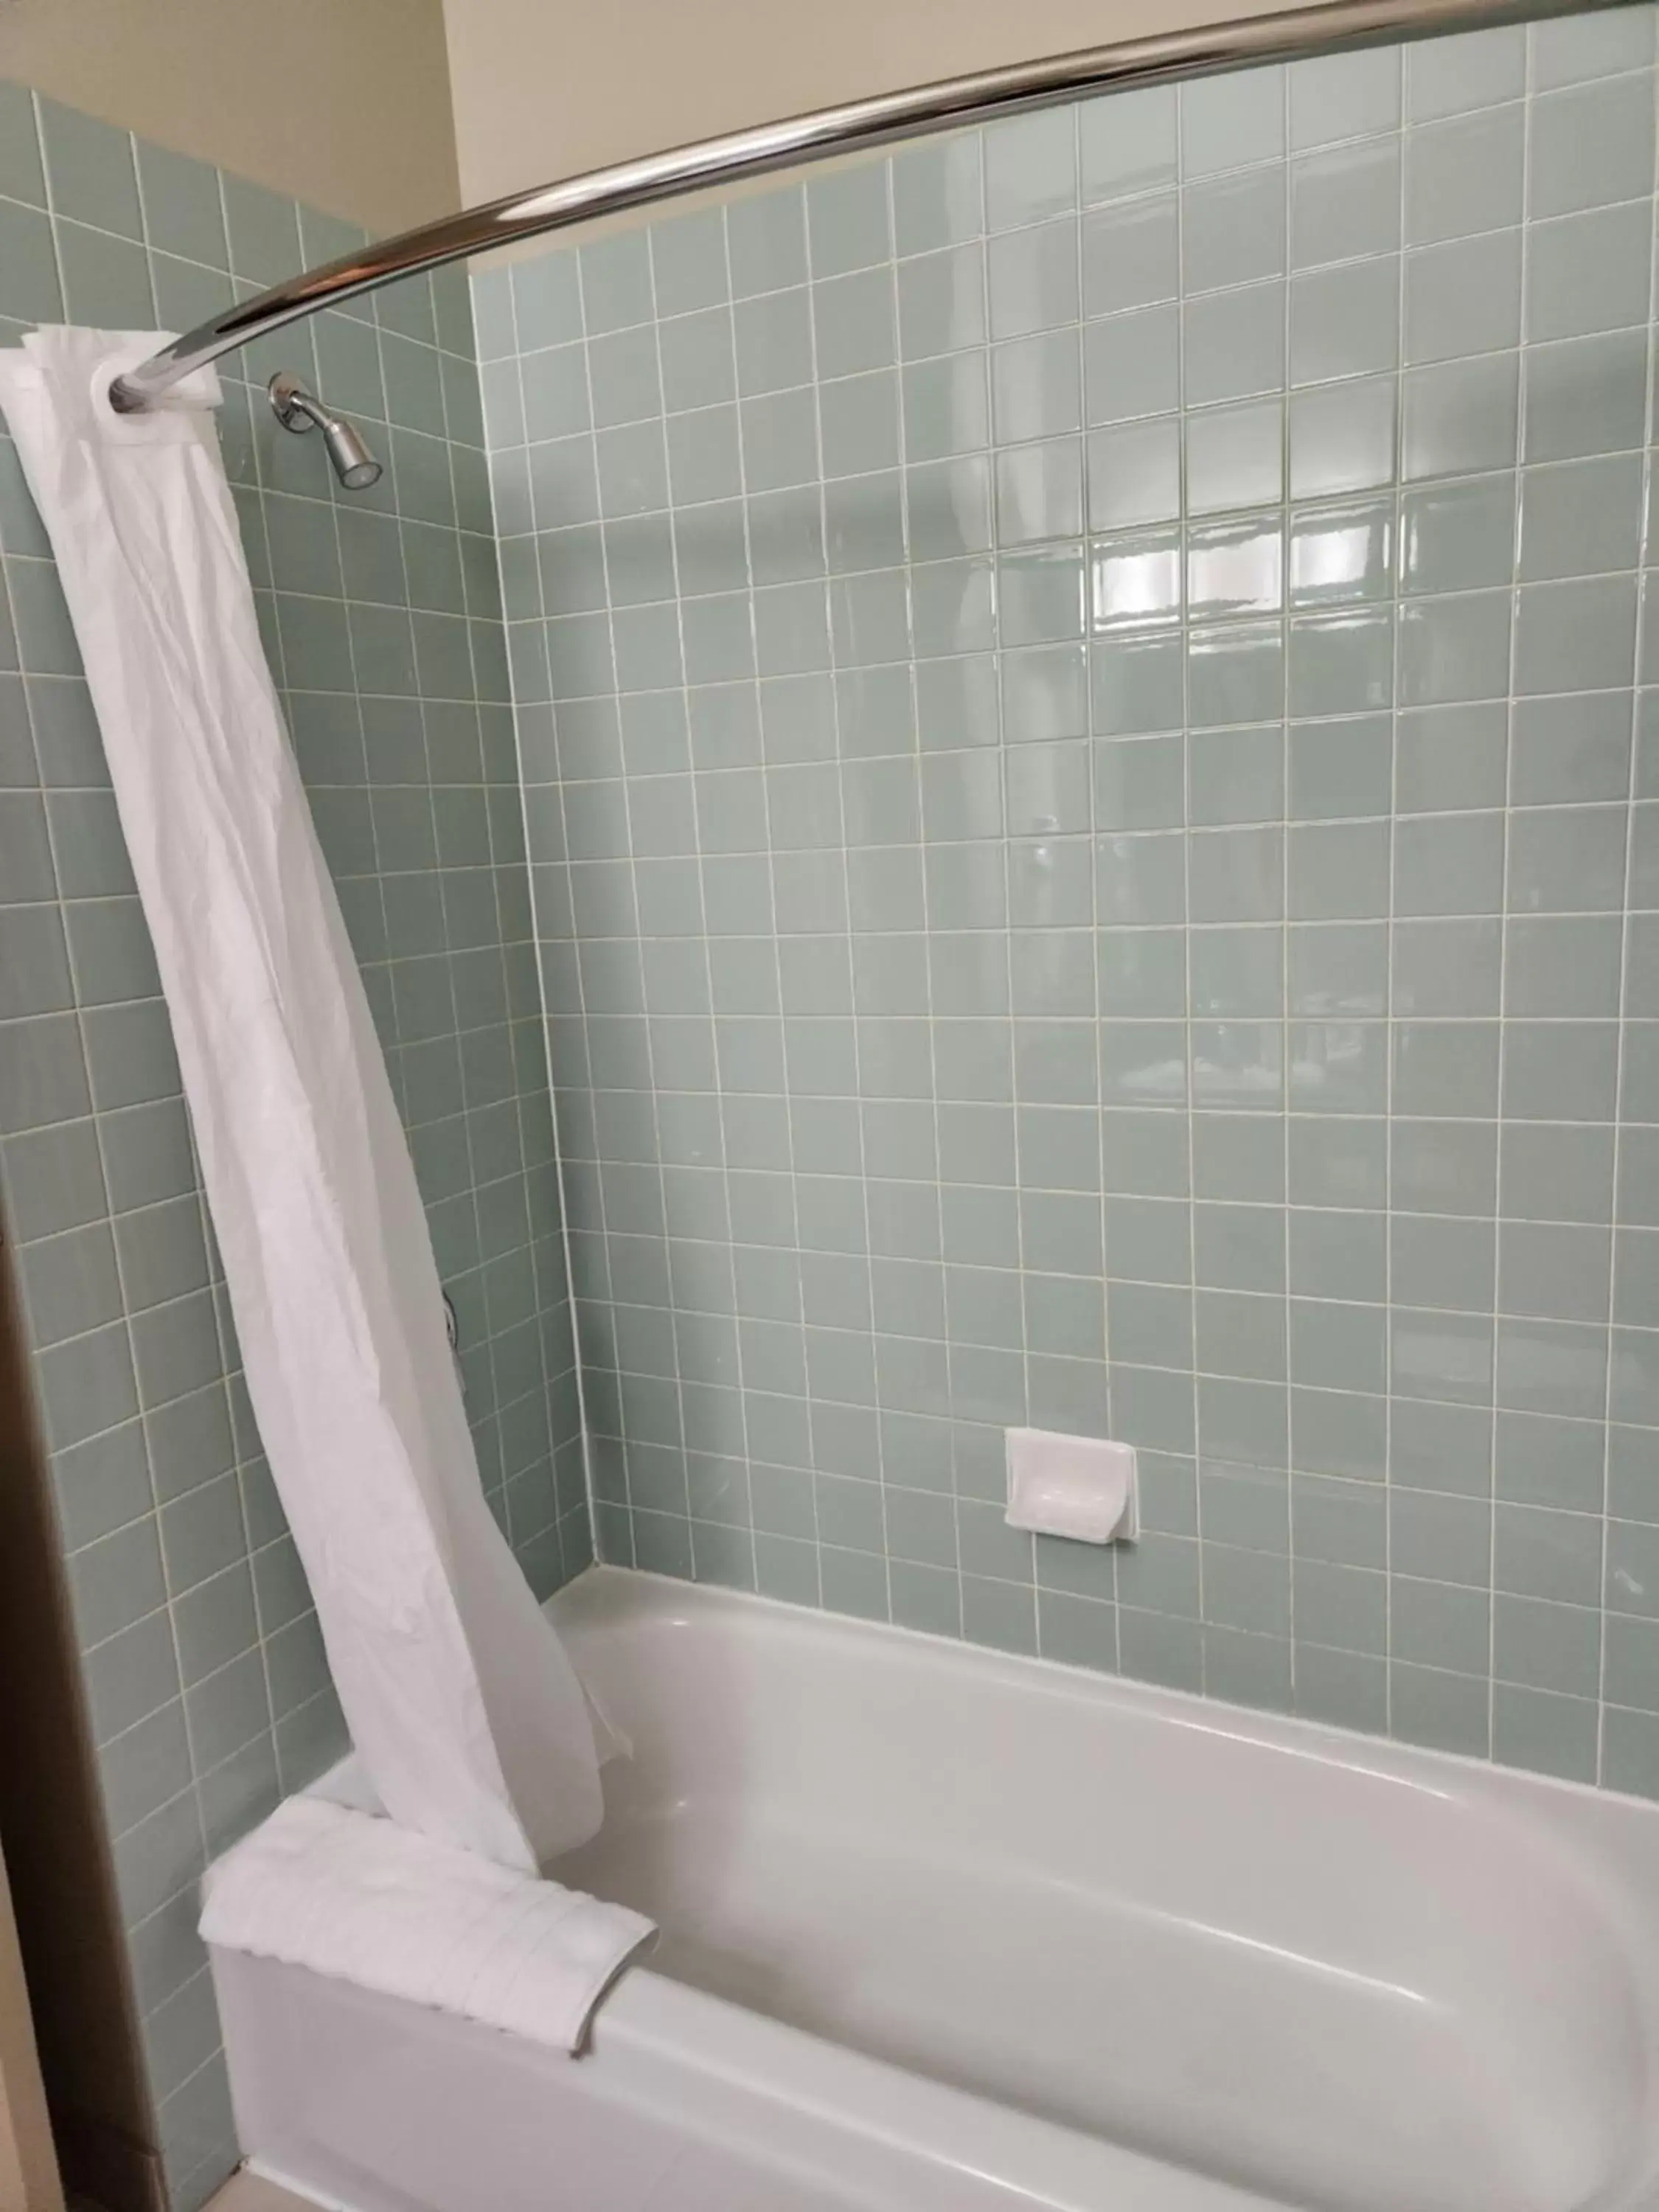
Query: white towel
350, 1895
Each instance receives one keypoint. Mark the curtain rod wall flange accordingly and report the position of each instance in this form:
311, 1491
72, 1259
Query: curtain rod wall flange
952, 104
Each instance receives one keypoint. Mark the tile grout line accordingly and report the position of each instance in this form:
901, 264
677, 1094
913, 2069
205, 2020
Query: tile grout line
889, 206
864, 1255
532, 870
739, 1365
1397, 554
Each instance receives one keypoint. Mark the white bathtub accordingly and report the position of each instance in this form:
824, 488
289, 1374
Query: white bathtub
944, 1931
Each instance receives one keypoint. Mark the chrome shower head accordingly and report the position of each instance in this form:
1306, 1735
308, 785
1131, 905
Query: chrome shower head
298, 410
354, 465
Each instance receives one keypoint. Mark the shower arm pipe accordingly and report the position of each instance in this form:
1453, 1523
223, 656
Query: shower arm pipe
857, 126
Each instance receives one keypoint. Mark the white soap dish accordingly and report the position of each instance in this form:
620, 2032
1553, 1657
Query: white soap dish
1084, 1488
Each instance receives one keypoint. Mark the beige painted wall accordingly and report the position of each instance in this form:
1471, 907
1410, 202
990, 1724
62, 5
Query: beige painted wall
545, 88
344, 103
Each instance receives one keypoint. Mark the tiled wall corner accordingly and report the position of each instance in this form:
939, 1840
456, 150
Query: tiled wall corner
1091, 819
381, 612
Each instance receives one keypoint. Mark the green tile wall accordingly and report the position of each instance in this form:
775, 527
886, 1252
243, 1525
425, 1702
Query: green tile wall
1086, 854
203, 1667
1095, 837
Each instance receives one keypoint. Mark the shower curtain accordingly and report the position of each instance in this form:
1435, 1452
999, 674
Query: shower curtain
465, 1712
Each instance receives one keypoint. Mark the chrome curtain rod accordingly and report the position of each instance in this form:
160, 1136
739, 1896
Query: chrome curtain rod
860, 125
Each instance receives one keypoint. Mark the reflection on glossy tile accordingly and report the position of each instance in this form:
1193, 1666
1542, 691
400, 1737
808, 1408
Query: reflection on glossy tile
1135, 581
1235, 567
1238, 1064
1341, 554
1143, 1064
1336, 1067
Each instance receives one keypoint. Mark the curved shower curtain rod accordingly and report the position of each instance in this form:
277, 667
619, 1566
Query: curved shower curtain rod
859, 126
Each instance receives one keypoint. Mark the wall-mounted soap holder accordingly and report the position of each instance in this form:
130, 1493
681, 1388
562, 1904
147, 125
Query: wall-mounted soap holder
1084, 1488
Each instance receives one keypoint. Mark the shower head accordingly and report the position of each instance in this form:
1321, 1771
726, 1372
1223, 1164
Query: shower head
354, 465
298, 410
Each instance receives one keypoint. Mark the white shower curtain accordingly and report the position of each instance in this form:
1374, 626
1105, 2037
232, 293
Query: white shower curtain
465, 1711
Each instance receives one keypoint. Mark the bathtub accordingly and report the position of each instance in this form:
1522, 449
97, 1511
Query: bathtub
944, 1931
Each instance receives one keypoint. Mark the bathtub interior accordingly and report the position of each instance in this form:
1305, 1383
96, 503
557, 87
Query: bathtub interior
1342, 1978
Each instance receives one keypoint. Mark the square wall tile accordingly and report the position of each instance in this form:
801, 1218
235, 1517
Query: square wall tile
1073, 690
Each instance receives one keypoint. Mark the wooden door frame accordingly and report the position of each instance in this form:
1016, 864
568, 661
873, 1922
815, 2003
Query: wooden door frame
64, 1913
28, 2163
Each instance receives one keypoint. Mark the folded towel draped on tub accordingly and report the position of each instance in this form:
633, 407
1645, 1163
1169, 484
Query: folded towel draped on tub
353, 1896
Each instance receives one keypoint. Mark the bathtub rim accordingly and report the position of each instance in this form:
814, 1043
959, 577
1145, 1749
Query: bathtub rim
661, 2030
1602, 1846
606, 1596
705, 2061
